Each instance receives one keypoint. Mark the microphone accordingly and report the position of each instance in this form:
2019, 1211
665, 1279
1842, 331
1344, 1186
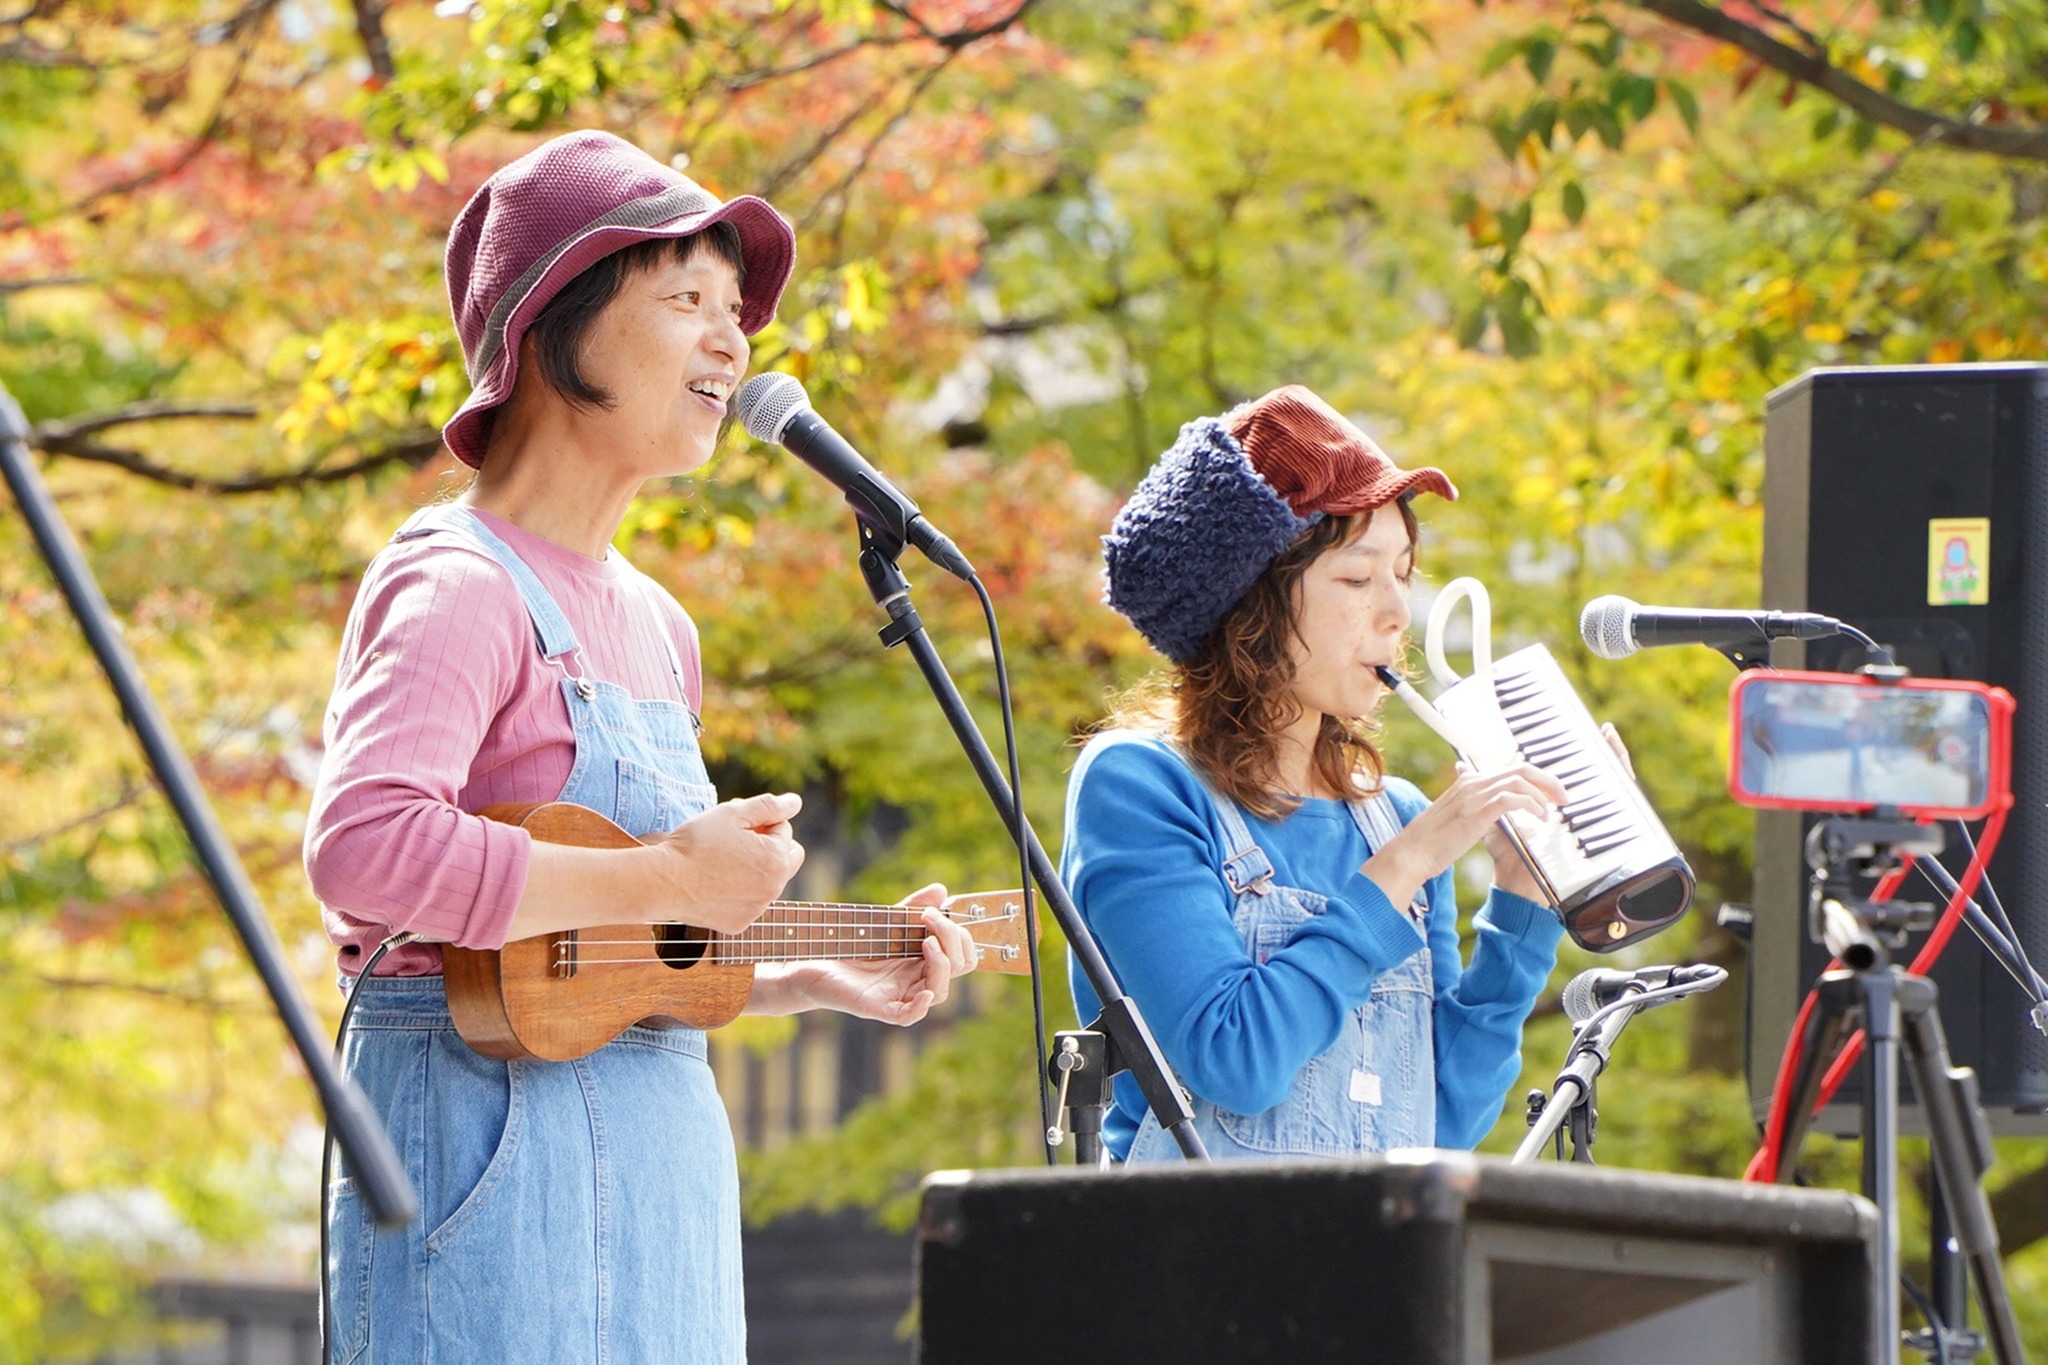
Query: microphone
774, 408
1615, 627
1591, 991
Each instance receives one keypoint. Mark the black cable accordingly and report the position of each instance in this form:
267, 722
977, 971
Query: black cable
2004, 947
1935, 1326
1873, 652
327, 1144
1022, 836
1997, 908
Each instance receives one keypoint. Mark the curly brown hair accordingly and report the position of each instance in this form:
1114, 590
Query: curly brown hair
1225, 708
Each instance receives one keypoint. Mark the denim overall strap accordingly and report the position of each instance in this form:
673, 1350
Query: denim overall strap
1377, 819
1245, 864
550, 627
1379, 822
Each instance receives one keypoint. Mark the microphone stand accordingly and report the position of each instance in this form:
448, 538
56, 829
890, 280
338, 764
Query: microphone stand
356, 1126
1130, 1042
1584, 1061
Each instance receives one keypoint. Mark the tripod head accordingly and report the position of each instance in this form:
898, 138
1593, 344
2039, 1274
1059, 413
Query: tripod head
1844, 852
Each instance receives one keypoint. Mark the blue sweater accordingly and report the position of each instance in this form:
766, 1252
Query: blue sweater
1143, 858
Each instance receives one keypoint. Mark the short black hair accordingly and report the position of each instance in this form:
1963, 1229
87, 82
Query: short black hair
559, 330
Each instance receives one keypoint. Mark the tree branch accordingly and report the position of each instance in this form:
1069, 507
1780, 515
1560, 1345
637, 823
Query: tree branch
867, 154
46, 282
242, 22
153, 410
959, 37
73, 440
131, 792
370, 28
2019, 144
183, 997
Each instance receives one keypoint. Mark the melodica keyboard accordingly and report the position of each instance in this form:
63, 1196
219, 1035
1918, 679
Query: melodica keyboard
1605, 862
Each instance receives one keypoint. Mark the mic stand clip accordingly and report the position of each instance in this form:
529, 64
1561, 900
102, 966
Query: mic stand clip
1080, 1063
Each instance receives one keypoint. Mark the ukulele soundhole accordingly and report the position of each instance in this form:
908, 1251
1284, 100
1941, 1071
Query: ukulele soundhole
681, 945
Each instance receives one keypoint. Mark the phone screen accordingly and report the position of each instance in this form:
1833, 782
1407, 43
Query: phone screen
1848, 743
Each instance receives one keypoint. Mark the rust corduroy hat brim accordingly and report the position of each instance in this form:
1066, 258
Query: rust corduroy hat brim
1319, 462
1228, 499
543, 219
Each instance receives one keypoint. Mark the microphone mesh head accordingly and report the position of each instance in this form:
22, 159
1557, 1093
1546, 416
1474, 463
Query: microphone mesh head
1605, 625
766, 402
1580, 1004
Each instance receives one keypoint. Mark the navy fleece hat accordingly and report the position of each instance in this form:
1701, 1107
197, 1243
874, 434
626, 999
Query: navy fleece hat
1210, 516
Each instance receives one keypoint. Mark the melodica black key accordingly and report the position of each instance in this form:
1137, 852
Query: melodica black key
1604, 861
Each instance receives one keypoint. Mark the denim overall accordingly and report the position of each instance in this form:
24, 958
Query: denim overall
1372, 1090
583, 1211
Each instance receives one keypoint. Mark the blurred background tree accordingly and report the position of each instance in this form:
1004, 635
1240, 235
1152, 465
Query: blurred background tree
1562, 251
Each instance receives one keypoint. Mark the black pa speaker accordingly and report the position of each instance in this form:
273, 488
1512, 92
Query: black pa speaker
1427, 1258
1876, 482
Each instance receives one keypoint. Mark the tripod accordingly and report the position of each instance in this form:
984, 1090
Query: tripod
1897, 1012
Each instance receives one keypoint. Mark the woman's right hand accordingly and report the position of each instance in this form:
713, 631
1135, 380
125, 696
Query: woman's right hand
1450, 825
727, 864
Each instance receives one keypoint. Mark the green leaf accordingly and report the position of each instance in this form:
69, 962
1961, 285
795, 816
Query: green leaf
1969, 37
1514, 225
1518, 333
1500, 54
1472, 324
1574, 196
1861, 134
1686, 102
1506, 135
1606, 125
1637, 94
1537, 55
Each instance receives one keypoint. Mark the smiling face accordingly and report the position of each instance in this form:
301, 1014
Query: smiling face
668, 350
1351, 610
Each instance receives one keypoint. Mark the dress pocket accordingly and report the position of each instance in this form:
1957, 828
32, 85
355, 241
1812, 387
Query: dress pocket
479, 1112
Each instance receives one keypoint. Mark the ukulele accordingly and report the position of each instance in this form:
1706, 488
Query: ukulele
562, 995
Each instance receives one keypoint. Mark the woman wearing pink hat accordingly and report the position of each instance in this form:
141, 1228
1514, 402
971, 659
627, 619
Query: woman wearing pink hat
500, 650
1279, 907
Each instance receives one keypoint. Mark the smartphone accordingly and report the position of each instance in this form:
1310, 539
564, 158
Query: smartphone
1934, 749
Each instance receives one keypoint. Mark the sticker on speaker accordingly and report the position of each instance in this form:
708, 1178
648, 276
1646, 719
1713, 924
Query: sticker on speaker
1958, 561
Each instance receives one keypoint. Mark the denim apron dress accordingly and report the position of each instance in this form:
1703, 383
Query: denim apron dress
1372, 1090
583, 1211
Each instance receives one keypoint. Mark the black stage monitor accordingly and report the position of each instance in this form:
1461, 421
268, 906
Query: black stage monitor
1420, 1258
1912, 502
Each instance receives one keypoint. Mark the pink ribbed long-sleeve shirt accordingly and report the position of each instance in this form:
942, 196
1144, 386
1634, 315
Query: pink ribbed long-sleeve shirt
443, 705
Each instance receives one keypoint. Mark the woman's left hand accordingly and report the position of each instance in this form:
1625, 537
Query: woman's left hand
897, 990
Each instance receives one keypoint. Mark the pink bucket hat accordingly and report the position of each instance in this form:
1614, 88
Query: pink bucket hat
539, 222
